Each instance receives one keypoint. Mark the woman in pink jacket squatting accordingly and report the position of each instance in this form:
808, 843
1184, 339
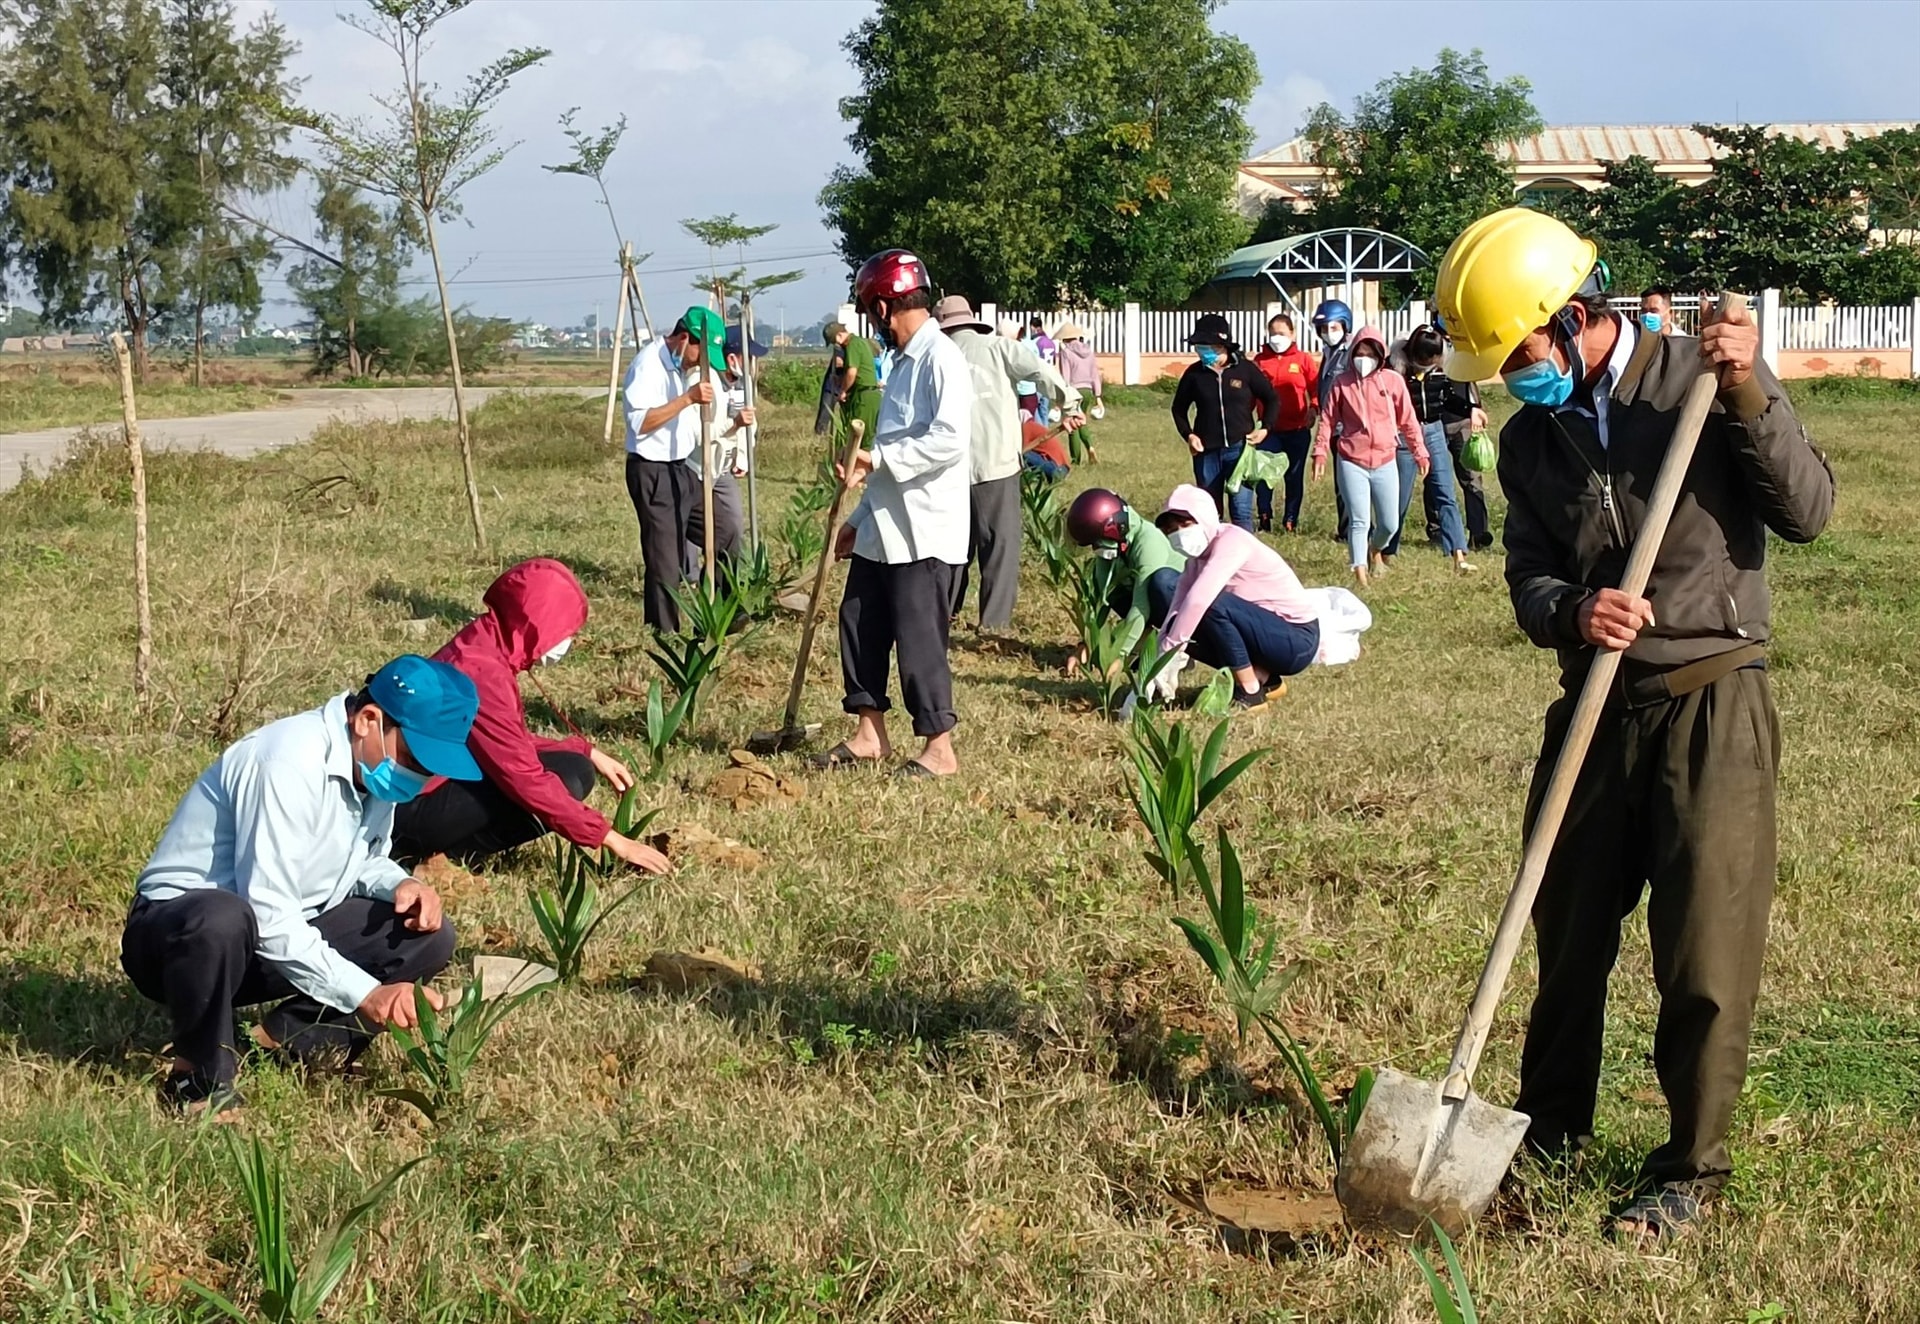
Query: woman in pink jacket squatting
1365, 413
1238, 604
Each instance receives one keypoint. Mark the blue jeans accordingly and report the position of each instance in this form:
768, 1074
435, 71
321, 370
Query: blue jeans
1234, 633
1294, 445
1453, 534
1364, 489
1210, 470
1035, 460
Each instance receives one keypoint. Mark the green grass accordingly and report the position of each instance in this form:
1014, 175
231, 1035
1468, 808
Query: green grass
977, 1058
31, 401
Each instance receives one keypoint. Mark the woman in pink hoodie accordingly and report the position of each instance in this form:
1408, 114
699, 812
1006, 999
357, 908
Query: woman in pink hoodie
1365, 414
1238, 604
532, 785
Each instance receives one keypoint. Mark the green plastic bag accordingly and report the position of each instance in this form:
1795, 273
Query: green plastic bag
1478, 454
1216, 700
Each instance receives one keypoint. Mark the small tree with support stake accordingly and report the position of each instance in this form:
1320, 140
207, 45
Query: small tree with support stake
422, 155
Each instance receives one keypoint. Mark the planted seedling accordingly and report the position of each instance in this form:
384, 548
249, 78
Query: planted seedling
756, 583
1046, 527
569, 911
291, 1293
1174, 782
1452, 1300
442, 1050
1243, 966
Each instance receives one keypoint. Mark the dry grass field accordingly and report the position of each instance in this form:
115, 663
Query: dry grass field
975, 1069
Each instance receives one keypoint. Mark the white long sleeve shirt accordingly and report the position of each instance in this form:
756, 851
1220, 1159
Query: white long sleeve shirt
654, 378
996, 364
916, 505
278, 821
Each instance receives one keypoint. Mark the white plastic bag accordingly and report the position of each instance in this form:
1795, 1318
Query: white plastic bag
1343, 619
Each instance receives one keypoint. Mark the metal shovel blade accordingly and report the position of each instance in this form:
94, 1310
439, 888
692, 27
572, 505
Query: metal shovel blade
1417, 1156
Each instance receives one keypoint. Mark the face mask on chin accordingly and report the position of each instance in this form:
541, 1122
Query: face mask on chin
1279, 344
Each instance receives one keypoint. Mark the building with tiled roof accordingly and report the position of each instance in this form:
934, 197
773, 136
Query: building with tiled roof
1566, 156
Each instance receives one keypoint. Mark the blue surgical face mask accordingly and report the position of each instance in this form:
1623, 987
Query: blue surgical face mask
1651, 321
389, 781
1209, 355
1544, 383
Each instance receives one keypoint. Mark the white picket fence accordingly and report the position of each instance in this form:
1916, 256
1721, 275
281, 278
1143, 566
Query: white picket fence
1834, 328
1131, 332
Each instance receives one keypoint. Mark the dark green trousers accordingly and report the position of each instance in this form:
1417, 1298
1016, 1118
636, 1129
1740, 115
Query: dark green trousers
1676, 800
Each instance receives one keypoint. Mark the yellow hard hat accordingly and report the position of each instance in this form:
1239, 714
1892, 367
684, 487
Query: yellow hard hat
1506, 275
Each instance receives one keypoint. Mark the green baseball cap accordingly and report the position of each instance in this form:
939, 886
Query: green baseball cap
710, 329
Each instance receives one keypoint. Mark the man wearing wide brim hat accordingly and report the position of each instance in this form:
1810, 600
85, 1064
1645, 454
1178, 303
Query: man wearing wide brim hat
997, 363
1676, 796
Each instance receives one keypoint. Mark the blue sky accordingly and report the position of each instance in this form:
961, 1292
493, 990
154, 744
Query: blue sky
732, 106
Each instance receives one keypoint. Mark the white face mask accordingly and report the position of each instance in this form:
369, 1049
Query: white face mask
1365, 366
1279, 344
1190, 541
1334, 333
555, 653
1106, 553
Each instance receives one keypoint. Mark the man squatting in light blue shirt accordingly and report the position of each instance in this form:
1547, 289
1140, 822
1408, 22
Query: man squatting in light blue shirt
272, 881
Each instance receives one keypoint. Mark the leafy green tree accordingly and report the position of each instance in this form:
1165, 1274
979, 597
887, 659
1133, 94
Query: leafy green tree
91, 219
718, 232
1030, 149
345, 288
1888, 165
123, 128
1776, 211
1419, 155
228, 93
423, 150
1635, 218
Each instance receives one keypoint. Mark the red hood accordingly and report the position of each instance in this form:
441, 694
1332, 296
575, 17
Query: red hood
535, 605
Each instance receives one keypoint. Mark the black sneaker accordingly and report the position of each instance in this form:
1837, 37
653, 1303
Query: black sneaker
1248, 700
189, 1096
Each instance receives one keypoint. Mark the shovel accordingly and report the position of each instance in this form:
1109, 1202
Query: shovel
1438, 1151
791, 732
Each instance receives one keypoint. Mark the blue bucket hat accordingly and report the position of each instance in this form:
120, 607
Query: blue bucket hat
434, 705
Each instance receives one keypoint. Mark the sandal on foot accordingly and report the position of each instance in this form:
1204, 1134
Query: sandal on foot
839, 757
1661, 1216
913, 770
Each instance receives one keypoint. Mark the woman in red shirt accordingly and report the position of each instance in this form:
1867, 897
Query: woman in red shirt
1366, 413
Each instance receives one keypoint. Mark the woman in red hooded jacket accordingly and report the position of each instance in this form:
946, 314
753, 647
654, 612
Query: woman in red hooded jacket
532, 785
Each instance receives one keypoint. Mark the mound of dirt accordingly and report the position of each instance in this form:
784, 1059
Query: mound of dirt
748, 782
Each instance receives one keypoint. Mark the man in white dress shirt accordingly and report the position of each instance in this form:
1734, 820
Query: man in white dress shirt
663, 397
908, 536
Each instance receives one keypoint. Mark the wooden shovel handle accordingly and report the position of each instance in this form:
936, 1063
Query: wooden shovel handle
1573, 751
855, 431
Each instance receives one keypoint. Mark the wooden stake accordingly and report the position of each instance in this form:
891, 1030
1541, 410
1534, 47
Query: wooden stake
707, 460
142, 597
619, 331
746, 368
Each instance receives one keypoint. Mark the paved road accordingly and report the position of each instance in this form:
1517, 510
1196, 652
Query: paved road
304, 413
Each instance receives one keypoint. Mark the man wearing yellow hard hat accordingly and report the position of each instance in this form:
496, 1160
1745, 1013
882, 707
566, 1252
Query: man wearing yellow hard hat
1676, 797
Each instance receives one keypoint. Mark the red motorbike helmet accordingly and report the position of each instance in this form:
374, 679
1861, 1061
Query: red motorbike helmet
1097, 516
888, 275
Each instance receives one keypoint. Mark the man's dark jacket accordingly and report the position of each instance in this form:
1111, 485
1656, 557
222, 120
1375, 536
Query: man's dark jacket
1755, 470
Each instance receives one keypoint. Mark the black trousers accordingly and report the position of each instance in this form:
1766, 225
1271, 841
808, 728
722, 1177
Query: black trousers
904, 609
196, 955
467, 821
729, 528
666, 496
1675, 800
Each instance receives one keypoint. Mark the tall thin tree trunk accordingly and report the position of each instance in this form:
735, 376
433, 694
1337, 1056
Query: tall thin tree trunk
142, 597
459, 392
199, 337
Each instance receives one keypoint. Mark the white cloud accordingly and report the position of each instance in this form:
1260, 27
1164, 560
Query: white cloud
1280, 109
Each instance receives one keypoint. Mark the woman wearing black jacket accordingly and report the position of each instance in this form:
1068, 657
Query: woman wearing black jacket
1224, 404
